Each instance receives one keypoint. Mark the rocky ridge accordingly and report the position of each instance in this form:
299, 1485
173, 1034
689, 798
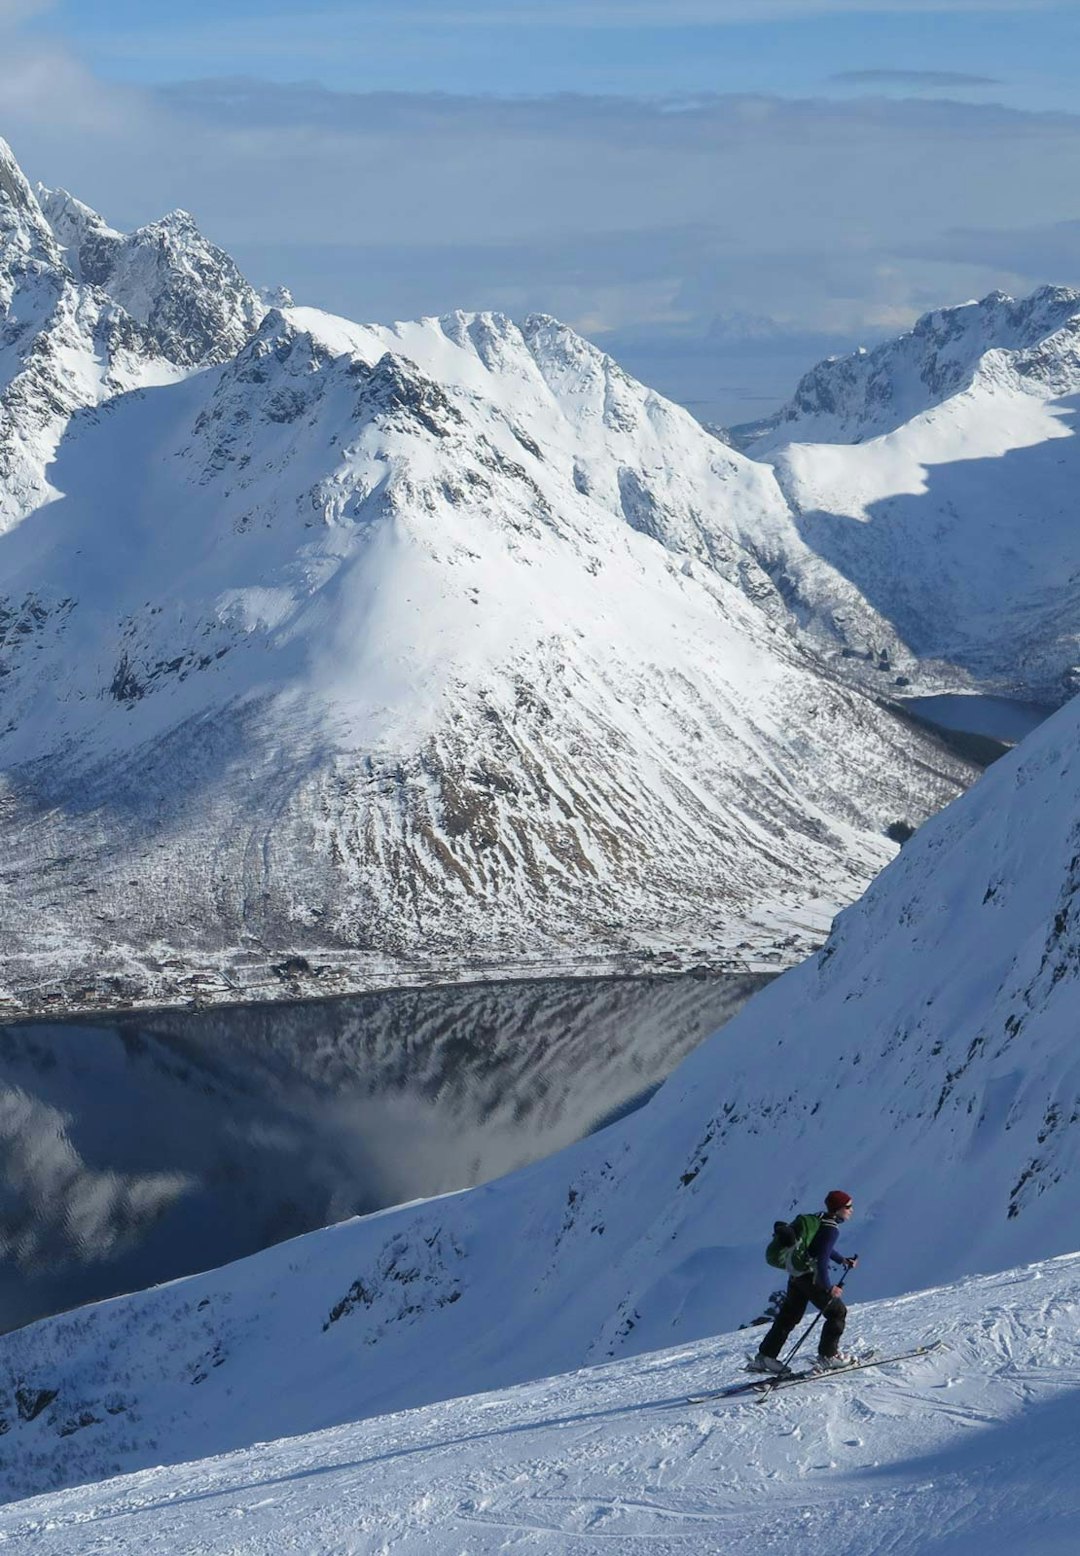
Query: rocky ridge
87, 314
930, 483
867, 393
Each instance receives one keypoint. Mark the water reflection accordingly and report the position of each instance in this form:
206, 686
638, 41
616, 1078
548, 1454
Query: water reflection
145, 1148
1001, 718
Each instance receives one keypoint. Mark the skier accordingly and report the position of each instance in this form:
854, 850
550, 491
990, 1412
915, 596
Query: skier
813, 1284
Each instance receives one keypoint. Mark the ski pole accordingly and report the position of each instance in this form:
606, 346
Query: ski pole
814, 1322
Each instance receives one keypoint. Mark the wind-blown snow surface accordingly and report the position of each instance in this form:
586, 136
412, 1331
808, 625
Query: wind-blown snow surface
925, 1059
970, 1451
399, 648
933, 484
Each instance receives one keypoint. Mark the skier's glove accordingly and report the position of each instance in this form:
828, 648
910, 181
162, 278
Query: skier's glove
849, 1264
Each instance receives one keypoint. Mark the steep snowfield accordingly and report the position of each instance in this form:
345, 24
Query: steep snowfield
933, 482
970, 1451
444, 646
924, 1059
960, 529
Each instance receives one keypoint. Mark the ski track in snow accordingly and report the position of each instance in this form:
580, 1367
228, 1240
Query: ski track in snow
969, 1450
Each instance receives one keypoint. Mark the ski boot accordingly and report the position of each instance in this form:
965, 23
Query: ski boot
767, 1364
835, 1363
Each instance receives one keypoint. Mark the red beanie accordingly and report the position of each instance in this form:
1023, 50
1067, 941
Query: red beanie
836, 1199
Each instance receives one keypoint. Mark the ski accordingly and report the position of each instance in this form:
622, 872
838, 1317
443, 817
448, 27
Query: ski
762, 1382
812, 1374
769, 1384
753, 1387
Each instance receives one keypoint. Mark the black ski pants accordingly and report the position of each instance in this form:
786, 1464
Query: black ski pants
803, 1289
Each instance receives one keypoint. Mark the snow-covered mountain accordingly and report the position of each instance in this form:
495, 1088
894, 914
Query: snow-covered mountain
933, 484
87, 313
924, 1059
187, 294
389, 651
869, 393
968, 1451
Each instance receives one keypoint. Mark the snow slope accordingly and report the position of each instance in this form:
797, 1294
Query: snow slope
924, 1059
968, 1452
444, 645
932, 482
868, 394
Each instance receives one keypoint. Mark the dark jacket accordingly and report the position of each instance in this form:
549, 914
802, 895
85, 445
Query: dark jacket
822, 1252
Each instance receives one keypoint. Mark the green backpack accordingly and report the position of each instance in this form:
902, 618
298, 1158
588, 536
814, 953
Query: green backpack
790, 1246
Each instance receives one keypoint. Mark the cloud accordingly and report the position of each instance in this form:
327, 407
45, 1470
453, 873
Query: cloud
390, 203
833, 217
46, 92
683, 13
915, 78
1047, 252
14, 12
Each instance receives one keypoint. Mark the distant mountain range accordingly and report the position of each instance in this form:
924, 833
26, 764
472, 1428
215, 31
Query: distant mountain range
935, 478
366, 653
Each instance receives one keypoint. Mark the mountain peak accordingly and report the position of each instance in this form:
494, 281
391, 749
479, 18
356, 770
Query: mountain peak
25, 235
84, 236
91, 312
178, 220
14, 186
184, 290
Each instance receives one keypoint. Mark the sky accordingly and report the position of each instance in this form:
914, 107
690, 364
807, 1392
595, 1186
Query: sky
719, 192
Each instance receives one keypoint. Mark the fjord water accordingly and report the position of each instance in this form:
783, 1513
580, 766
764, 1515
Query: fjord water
1002, 718
146, 1147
